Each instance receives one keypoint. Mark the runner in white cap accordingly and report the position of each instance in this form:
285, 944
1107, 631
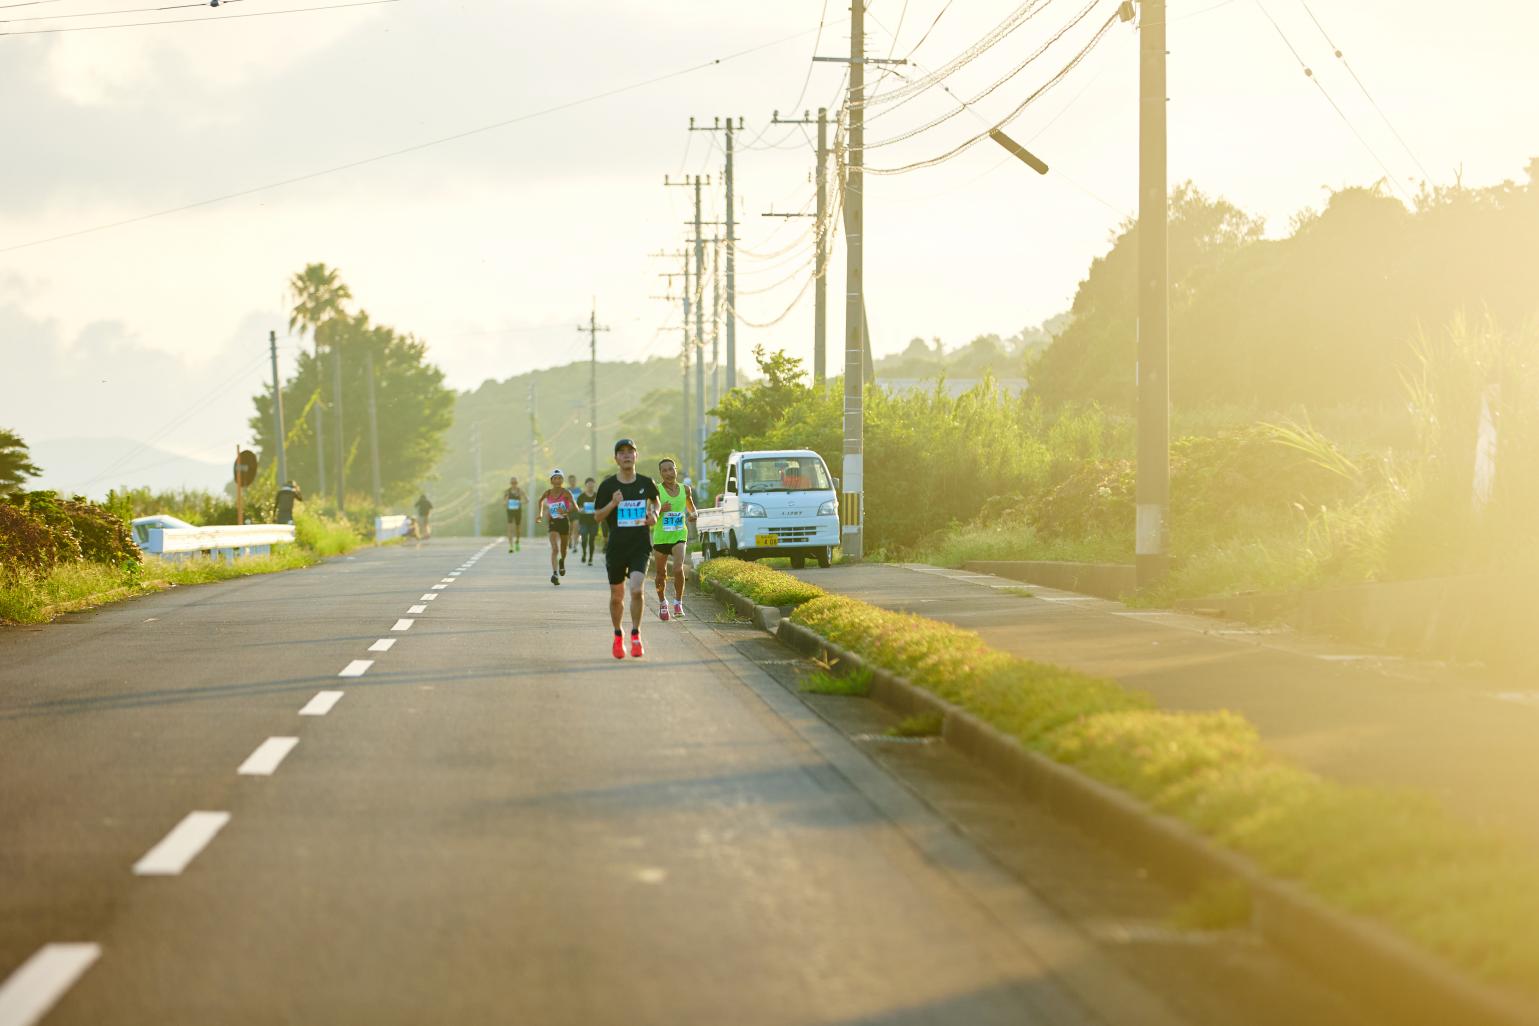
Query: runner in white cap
556, 507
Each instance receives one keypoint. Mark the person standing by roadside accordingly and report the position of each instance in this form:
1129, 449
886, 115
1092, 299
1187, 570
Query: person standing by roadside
287, 496
670, 537
424, 507
587, 523
514, 497
556, 509
628, 501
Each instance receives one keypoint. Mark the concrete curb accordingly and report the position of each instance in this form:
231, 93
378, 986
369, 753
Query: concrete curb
1360, 957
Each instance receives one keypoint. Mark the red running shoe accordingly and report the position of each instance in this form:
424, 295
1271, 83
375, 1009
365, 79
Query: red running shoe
662, 611
636, 650
619, 647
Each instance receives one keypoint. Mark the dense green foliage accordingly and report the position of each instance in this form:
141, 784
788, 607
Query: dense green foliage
15, 462
413, 408
764, 586
201, 508
41, 530
1322, 317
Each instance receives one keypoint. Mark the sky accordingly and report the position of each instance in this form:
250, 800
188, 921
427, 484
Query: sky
493, 246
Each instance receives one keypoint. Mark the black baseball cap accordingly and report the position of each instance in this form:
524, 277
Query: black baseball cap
624, 443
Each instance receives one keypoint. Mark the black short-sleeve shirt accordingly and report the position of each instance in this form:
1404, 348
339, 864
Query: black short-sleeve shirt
639, 490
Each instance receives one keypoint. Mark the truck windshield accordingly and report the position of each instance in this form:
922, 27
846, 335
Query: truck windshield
786, 474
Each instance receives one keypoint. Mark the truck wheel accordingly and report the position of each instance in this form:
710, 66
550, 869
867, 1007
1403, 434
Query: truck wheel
825, 557
798, 561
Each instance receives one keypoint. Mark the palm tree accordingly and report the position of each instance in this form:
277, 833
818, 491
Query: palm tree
320, 296
15, 462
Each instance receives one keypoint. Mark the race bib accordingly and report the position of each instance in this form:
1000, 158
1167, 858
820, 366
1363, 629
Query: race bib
631, 513
673, 521
514, 504
587, 508
558, 509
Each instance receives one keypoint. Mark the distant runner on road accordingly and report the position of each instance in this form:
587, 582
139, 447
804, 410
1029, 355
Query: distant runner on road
670, 537
556, 507
587, 523
627, 500
514, 497
424, 507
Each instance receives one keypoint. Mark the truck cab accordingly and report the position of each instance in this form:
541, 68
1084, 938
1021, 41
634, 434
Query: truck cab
775, 502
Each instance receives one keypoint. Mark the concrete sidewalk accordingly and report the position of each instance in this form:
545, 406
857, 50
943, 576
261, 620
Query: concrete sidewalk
1348, 714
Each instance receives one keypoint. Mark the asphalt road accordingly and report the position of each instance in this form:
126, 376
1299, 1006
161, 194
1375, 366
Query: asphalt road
495, 822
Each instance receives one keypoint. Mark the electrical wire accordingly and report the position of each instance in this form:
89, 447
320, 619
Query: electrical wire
978, 48
103, 14
188, 21
961, 147
1310, 74
27, 3
1031, 59
1348, 65
568, 105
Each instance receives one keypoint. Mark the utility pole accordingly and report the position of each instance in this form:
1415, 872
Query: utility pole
1153, 372
593, 329
368, 370
699, 450
336, 392
820, 238
718, 125
687, 455
715, 323
475, 487
283, 462
533, 431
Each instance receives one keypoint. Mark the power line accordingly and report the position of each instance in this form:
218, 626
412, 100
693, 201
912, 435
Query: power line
188, 21
594, 98
1348, 65
112, 13
27, 3
1310, 74
1022, 66
1059, 76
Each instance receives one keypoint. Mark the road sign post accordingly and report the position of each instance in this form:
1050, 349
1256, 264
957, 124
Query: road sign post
245, 474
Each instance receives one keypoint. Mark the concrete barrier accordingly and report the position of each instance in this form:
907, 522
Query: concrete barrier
228, 542
394, 526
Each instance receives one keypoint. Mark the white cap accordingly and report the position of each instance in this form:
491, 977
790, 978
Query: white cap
557, 473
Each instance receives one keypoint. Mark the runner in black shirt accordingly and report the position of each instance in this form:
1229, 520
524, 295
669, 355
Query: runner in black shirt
628, 501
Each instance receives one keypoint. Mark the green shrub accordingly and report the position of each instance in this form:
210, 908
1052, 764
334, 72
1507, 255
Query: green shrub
764, 586
104, 536
325, 536
28, 544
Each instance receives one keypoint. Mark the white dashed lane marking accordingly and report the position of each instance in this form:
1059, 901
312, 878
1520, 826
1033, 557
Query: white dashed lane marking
430, 596
382, 645
439, 587
403, 625
268, 756
417, 609
34, 988
446, 580
182, 844
356, 668
322, 703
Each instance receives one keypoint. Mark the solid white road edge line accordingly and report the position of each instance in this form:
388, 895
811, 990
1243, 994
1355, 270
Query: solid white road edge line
382, 645
34, 988
356, 668
403, 625
321, 704
182, 844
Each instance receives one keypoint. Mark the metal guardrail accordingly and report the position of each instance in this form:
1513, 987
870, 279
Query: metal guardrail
228, 542
389, 527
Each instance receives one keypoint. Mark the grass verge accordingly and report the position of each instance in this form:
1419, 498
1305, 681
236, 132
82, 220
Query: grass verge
824, 682
1461, 891
764, 586
29, 598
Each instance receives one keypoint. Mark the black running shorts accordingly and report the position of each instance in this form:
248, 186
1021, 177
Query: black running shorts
558, 525
622, 560
665, 551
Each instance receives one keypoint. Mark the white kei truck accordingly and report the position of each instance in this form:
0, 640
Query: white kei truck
778, 502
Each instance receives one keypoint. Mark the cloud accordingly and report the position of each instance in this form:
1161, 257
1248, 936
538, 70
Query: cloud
107, 382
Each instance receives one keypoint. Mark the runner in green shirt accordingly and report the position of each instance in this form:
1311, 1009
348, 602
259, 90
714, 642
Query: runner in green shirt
670, 537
